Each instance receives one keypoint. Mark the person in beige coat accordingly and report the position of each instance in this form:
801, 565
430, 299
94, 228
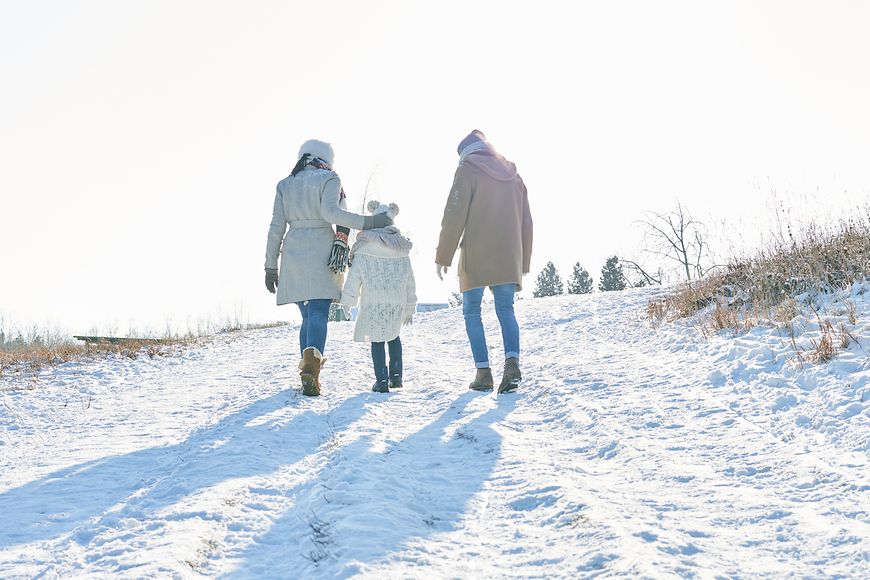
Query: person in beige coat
307, 204
487, 216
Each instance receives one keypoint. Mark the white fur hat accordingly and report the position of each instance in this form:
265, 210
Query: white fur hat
319, 149
374, 207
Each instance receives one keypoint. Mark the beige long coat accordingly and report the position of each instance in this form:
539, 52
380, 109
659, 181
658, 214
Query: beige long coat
487, 215
305, 208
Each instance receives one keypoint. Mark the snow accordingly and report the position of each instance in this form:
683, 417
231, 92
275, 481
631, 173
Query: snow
629, 450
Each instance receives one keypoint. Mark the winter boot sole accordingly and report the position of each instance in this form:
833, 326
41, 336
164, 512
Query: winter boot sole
480, 388
510, 387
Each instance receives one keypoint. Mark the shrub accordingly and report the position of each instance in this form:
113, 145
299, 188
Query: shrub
813, 261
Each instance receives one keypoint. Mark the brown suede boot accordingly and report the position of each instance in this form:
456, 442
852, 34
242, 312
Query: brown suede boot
512, 377
483, 381
309, 371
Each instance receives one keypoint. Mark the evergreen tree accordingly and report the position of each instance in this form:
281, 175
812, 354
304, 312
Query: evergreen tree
612, 277
580, 281
549, 283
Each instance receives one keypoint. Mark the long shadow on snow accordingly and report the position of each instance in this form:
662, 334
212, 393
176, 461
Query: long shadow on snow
66, 499
367, 504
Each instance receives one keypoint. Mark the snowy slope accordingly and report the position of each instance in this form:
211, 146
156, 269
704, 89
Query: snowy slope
628, 451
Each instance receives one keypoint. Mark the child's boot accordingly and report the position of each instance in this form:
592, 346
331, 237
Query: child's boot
395, 374
382, 384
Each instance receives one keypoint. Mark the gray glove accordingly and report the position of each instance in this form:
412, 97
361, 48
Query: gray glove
379, 220
271, 279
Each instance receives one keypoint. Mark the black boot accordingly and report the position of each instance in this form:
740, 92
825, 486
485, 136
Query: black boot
395, 374
381, 381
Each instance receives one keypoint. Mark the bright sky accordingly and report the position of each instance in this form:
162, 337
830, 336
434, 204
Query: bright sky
141, 141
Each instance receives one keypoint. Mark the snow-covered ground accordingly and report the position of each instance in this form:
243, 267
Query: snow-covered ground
628, 451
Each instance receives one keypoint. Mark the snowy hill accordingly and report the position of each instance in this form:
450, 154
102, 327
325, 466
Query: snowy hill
627, 451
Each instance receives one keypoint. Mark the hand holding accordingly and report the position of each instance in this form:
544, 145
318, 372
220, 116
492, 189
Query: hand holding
271, 279
379, 220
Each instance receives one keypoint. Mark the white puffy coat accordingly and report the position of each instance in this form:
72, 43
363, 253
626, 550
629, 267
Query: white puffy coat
382, 282
305, 208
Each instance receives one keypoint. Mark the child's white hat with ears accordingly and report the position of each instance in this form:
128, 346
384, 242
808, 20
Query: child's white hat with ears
375, 207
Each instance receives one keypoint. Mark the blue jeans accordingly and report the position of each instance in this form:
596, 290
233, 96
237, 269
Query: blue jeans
314, 316
504, 310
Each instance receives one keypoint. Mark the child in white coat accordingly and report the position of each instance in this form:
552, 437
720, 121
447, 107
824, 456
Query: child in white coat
381, 280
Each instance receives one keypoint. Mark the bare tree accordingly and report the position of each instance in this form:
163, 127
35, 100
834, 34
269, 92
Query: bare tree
642, 277
678, 237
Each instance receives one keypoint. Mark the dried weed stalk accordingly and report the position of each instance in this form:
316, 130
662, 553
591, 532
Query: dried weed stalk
763, 286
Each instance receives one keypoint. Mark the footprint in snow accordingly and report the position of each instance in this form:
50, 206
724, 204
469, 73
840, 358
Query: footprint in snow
608, 451
538, 498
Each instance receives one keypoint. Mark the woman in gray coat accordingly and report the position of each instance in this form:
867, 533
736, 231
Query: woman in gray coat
307, 204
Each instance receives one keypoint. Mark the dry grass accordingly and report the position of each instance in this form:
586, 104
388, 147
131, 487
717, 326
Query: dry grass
845, 337
24, 354
687, 299
762, 287
823, 349
784, 313
30, 358
853, 312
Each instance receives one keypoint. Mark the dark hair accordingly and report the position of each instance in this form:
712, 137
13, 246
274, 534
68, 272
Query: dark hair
300, 165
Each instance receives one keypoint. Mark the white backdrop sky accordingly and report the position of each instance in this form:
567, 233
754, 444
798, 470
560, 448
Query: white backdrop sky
140, 142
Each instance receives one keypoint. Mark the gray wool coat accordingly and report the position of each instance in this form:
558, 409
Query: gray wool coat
306, 207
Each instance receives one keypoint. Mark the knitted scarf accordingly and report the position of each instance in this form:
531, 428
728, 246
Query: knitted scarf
316, 162
474, 148
338, 258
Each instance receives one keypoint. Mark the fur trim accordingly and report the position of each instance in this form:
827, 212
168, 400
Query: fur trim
319, 149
